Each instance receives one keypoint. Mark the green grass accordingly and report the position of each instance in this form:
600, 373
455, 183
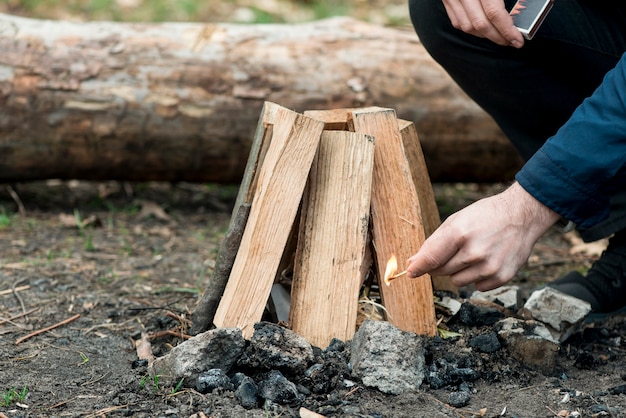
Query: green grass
12, 395
280, 11
5, 218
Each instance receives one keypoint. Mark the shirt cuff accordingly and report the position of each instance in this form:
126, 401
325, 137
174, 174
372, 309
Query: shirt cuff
550, 184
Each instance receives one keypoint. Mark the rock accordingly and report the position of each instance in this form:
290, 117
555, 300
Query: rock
459, 399
480, 313
486, 343
247, 393
215, 349
276, 388
386, 358
561, 312
213, 379
506, 296
530, 343
276, 347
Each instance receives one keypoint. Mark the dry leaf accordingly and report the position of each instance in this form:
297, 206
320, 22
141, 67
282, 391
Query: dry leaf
149, 208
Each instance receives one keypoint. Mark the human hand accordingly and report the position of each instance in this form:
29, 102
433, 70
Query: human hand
487, 242
486, 19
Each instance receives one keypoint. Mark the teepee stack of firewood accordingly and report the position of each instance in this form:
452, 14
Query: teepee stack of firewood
330, 196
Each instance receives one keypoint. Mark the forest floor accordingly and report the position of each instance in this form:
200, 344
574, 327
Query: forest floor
118, 259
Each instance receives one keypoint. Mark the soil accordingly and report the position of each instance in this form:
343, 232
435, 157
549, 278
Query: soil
116, 260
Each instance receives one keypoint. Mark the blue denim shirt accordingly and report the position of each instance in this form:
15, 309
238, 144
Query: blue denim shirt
576, 170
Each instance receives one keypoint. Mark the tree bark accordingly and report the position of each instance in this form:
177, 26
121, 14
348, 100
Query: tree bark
180, 101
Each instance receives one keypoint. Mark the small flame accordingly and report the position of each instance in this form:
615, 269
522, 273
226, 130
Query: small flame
392, 267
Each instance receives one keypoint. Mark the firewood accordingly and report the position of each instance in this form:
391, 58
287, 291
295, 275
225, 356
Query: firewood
277, 196
204, 312
397, 224
424, 189
338, 119
333, 239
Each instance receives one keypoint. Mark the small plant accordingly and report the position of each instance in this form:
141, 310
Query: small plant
88, 238
178, 386
13, 395
155, 382
5, 219
83, 357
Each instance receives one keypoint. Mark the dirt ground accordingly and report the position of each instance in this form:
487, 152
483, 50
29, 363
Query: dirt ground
118, 259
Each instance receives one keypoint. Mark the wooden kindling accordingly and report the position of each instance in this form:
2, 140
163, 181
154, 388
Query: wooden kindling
328, 191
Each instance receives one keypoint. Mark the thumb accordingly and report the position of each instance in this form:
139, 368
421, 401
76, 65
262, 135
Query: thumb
434, 254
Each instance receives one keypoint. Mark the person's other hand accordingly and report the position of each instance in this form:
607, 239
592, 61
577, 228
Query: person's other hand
486, 19
487, 242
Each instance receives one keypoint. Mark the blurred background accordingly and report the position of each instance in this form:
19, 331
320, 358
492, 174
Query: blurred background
388, 13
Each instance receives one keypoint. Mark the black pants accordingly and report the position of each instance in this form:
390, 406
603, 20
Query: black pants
532, 91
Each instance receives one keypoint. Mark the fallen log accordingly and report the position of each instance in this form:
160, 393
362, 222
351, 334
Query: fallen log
180, 101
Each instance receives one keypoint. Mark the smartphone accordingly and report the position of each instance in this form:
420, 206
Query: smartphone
529, 14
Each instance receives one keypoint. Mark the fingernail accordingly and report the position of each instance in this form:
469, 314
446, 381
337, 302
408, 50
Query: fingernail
516, 44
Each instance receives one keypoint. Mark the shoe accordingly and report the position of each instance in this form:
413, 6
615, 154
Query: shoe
604, 286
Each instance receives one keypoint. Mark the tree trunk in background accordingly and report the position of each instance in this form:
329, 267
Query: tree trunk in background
180, 101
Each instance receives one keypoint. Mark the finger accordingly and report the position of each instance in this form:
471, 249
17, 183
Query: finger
481, 13
486, 276
502, 21
456, 14
434, 254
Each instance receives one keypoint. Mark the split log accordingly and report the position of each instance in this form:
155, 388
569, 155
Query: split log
397, 226
280, 183
333, 239
180, 101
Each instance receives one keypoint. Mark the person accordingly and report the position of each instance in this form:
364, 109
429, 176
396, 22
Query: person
560, 98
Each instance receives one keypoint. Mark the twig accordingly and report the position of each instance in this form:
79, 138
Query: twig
4, 321
18, 201
46, 329
351, 391
171, 332
104, 411
12, 290
91, 382
17, 296
454, 410
552, 411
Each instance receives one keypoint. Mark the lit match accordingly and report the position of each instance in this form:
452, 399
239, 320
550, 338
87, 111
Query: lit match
392, 267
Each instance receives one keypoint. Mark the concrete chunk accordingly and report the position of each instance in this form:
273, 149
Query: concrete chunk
387, 358
215, 349
560, 312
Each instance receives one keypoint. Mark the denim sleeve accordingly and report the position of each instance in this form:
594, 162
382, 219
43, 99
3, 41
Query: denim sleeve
575, 170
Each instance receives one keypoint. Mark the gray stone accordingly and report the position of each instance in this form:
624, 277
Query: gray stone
386, 358
459, 399
506, 296
562, 313
215, 349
